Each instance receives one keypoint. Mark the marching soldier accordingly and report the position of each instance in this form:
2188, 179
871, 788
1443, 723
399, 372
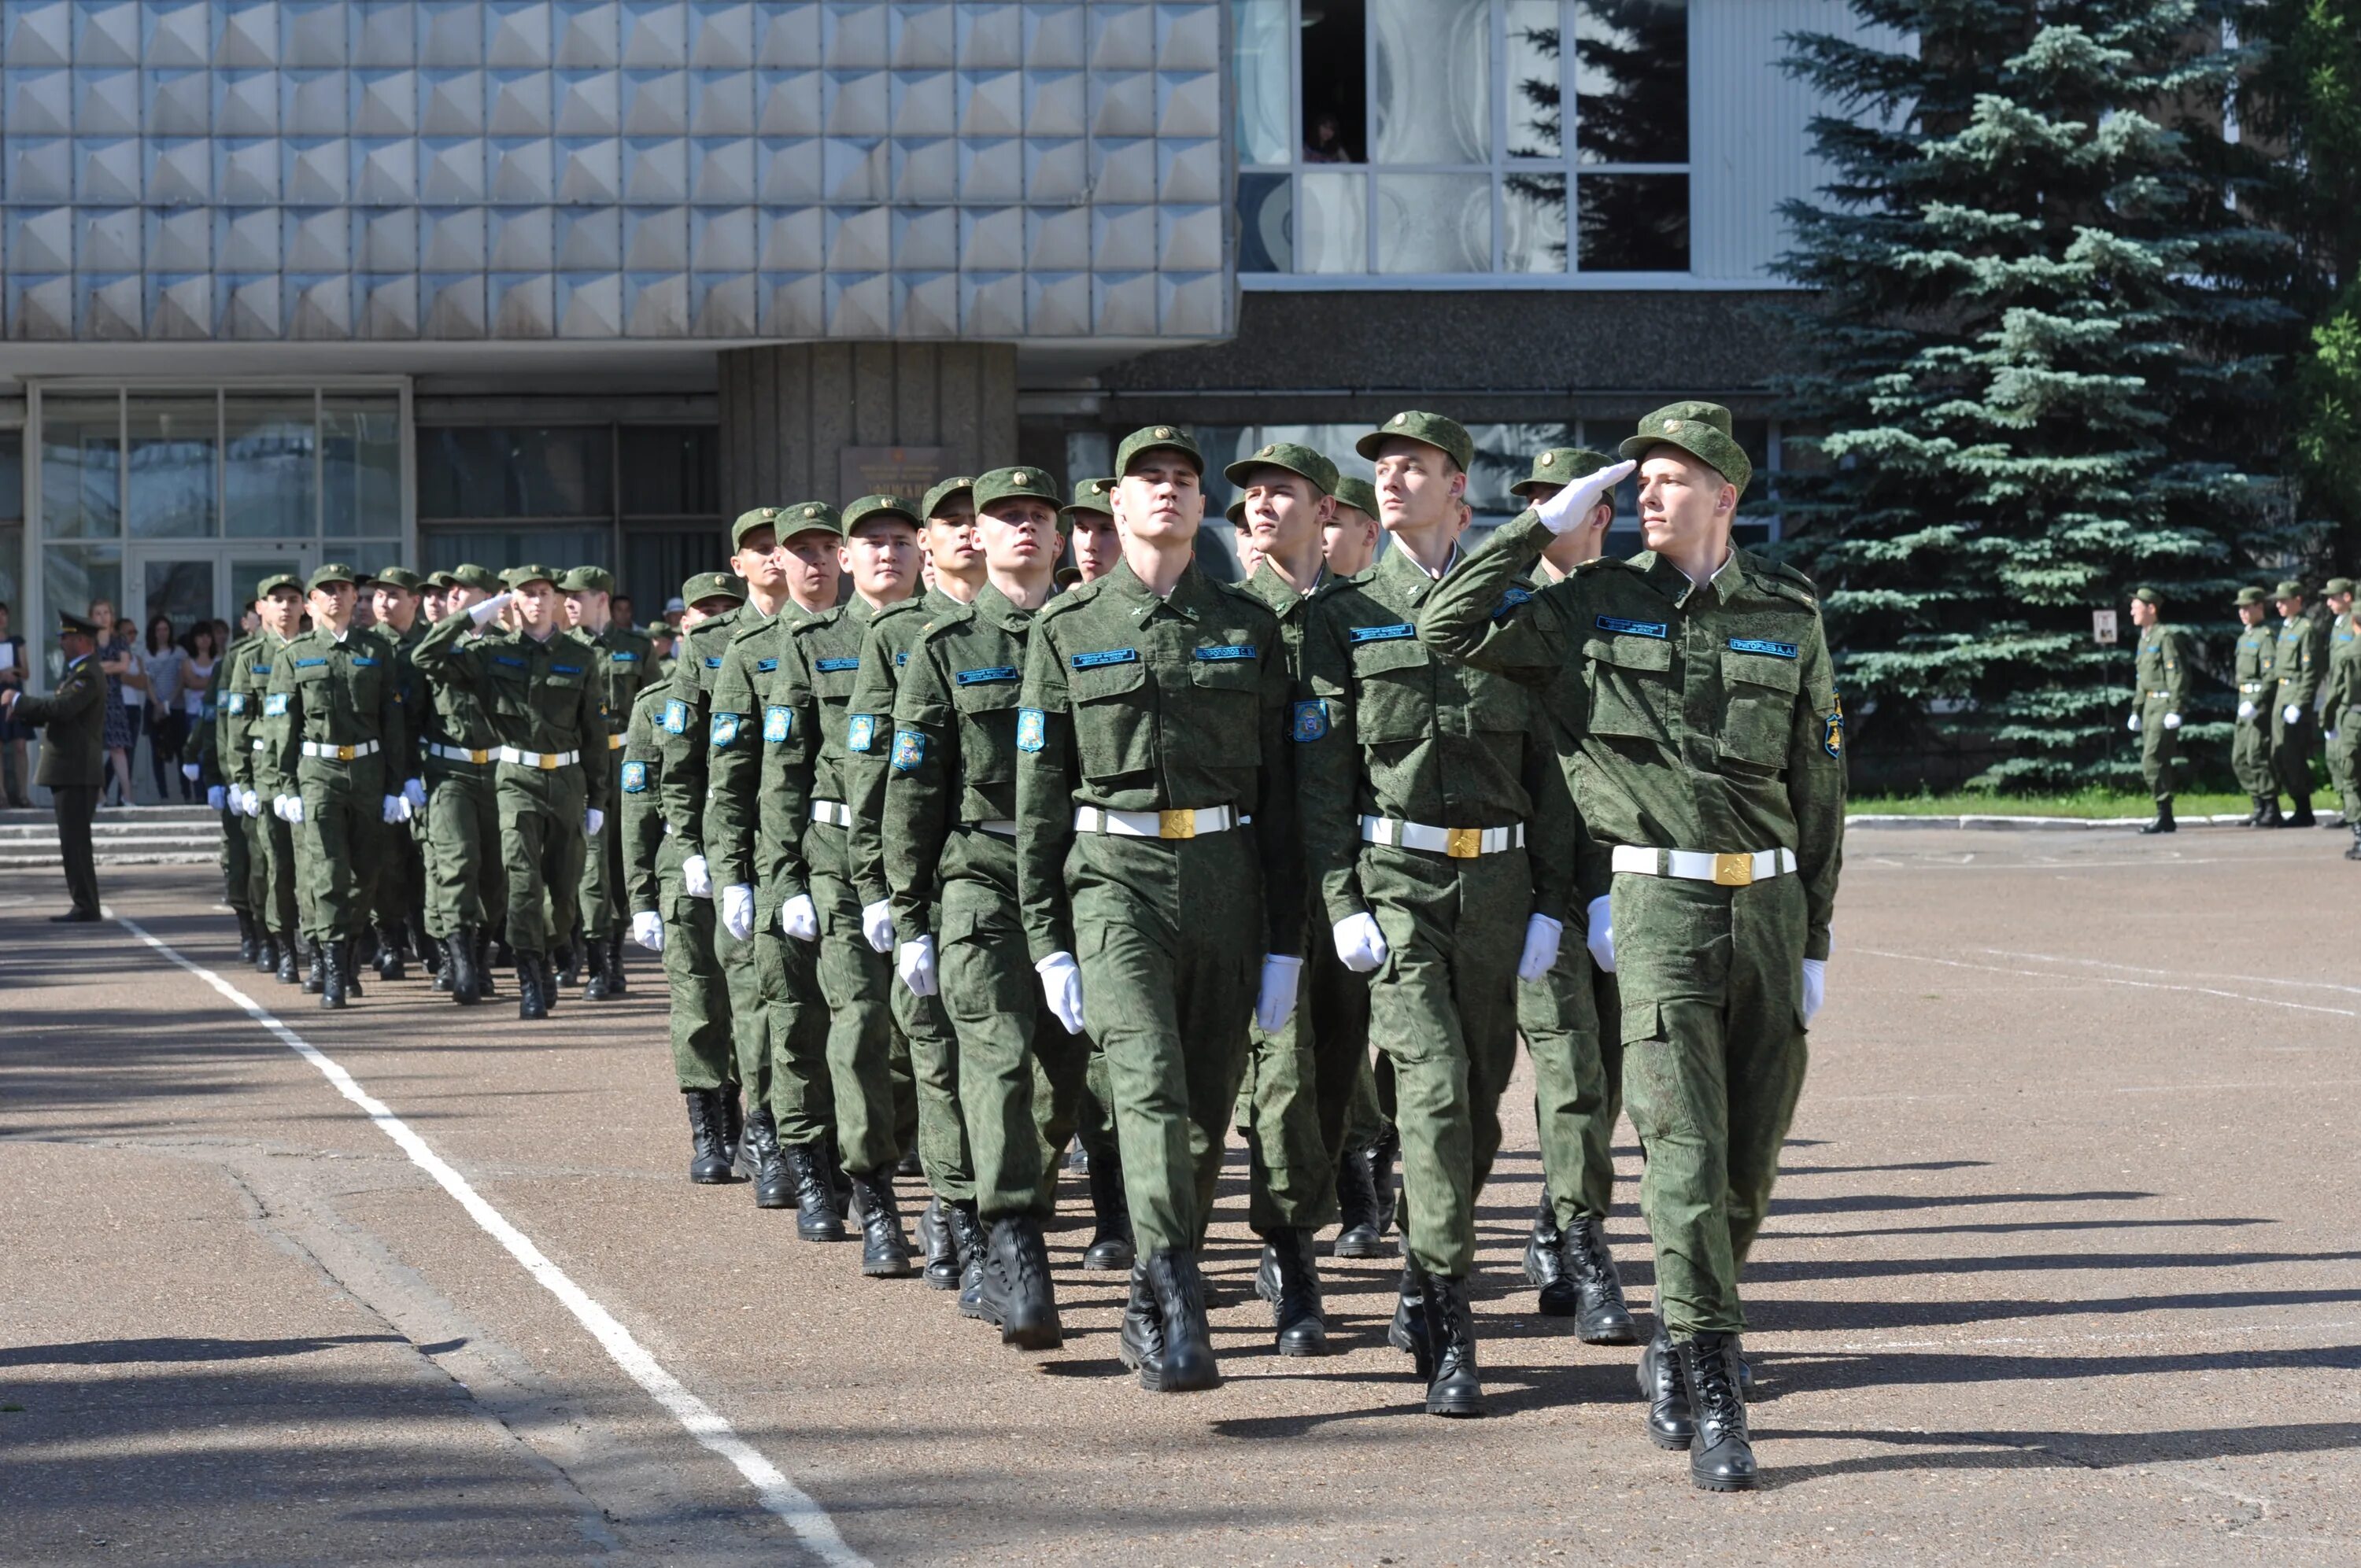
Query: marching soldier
202, 752
397, 883
74, 757
245, 738
466, 884
2161, 673
337, 689
2299, 662
1713, 787
2337, 595
2250, 749
622, 664
1156, 866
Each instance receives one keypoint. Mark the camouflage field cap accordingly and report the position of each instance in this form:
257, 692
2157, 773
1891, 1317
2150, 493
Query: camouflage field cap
1701, 429
1560, 466
2146, 595
2252, 596
2337, 586
944, 490
276, 581
747, 521
861, 512
334, 571
531, 572
1002, 484
2289, 588
587, 580
442, 580
807, 517
713, 586
1148, 438
483, 579
1236, 512
1447, 435
1092, 495
1358, 494
401, 577
1299, 460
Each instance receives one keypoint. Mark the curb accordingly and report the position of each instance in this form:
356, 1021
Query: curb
1873, 819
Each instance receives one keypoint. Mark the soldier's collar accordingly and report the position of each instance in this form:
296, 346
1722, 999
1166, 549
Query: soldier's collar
998, 608
1186, 590
1396, 567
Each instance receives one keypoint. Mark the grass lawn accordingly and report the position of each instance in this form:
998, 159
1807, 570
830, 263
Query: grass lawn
2081, 803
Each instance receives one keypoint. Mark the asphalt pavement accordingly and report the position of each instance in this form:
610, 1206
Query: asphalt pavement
2063, 1266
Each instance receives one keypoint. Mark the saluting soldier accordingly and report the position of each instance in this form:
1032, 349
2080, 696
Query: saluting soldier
2161, 673
397, 883
2250, 747
1157, 865
539, 685
337, 689
2299, 663
665, 919
1437, 824
2336, 595
246, 731
1712, 780
466, 884
73, 756
622, 664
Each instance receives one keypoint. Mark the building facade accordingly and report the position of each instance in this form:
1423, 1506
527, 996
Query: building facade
289, 281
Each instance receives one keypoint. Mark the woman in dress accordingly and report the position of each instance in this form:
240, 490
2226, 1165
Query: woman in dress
164, 665
118, 658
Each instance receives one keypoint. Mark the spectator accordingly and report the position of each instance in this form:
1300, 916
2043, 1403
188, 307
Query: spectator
13, 778
166, 668
118, 658
200, 653
1327, 143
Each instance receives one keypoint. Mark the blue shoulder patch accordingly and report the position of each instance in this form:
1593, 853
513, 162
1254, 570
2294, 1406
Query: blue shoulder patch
1761, 646
675, 716
987, 675
1032, 729
1393, 633
1104, 657
275, 706
237, 702
909, 750
1658, 630
778, 723
860, 732
1311, 721
635, 778
1225, 652
723, 730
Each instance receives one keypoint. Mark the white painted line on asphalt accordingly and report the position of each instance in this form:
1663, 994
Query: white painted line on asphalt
2111, 980
782, 1497
1862, 1347
2193, 974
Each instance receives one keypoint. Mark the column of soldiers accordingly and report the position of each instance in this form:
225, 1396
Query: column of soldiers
957, 856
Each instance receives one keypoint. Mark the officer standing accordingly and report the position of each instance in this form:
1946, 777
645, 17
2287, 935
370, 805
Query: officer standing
622, 664
466, 885
398, 890
74, 758
2336, 593
2299, 662
1157, 865
2250, 749
246, 738
2161, 675
543, 698
1714, 788
337, 689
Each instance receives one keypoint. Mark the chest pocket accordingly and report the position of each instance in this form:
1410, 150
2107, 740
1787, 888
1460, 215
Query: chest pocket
315, 692
833, 678
1396, 699
1114, 721
1227, 732
1491, 704
511, 686
1630, 681
1760, 693
987, 717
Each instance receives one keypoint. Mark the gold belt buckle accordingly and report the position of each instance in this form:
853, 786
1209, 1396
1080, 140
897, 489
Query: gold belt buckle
1463, 843
345, 753
479, 756
546, 761
1176, 825
1733, 871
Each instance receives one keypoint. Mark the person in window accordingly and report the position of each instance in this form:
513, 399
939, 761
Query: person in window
1326, 144
118, 660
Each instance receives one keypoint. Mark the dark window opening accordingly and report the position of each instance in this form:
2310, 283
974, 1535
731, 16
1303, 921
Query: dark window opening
1336, 81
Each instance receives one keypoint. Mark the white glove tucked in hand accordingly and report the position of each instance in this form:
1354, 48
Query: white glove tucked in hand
2292, 713
1061, 986
1275, 1001
2172, 721
414, 791
217, 798
484, 613
738, 910
393, 808
695, 877
800, 918
593, 819
2246, 711
1541, 936
915, 962
1815, 986
189, 771
877, 924
1360, 943
1601, 941
1574, 503
647, 930
290, 808
2132, 723
250, 803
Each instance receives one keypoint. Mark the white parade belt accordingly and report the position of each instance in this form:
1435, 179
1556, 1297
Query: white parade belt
1699, 865
1459, 843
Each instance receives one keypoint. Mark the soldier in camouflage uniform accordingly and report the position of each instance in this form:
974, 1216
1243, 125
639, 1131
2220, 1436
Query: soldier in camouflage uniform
245, 683
2250, 750
623, 666
2299, 663
398, 881
202, 752
467, 884
2336, 597
2160, 665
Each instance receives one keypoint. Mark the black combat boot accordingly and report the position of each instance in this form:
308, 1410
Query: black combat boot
615, 983
531, 1004
429, 950
288, 974
2163, 823
1188, 1360
594, 955
1361, 1231
503, 956
2303, 816
314, 978
941, 1245
246, 945
1455, 1387
570, 971
348, 967
818, 1219
1289, 1280
733, 1132
439, 965
460, 956
1140, 1345
1382, 1154
968, 1233
548, 981
1545, 1262
266, 950
1671, 1423
884, 1250
486, 989
333, 955
1721, 1455
1600, 1317
392, 956
2353, 851
708, 1164
775, 1168
1111, 1246
1017, 1292
2271, 818
1408, 1332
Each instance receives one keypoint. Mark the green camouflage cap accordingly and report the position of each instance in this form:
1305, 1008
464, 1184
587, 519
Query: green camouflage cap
944, 490
1447, 435
587, 580
1560, 466
442, 580
1148, 438
483, 579
1090, 495
2336, 586
331, 573
867, 506
1000, 484
518, 576
747, 521
2289, 588
1701, 429
713, 586
276, 581
1297, 460
807, 517
401, 577
2252, 596
2146, 595
1358, 494
1236, 512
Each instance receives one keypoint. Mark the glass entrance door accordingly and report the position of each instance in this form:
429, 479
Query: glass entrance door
194, 582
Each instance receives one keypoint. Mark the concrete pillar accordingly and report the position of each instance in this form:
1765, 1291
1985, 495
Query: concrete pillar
789, 413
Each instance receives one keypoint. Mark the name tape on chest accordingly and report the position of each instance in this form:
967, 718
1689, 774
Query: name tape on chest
361, 661
309, 663
986, 675
1764, 645
1223, 653
1104, 657
1394, 633
1658, 630
624, 657
837, 666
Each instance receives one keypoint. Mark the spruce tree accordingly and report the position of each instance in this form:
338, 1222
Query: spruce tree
2042, 349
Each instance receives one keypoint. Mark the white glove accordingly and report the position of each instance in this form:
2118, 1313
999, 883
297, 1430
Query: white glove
877, 924
798, 918
2132, 724
647, 930
915, 962
483, 613
1061, 985
1574, 503
1601, 942
394, 809
250, 803
695, 879
1359, 942
592, 820
189, 771
1541, 934
2292, 713
414, 791
217, 799
290, 808
738, 910
1276, 1000
2246, 711
1815, 986
2172, 721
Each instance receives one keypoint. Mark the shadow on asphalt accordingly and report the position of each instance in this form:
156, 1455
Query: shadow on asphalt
128, 1352
2082, 1451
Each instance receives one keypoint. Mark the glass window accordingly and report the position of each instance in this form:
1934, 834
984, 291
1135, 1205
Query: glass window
12, 570
1264, 219
509, 472
1335, 51
12, 476
440, 549
669, 470
1532, 222
1635, 223
1631, 81
1432, 97
75, 575
1433, 222
170, 478
657, 561
360, 465
1535, 82
270, 448
1333, 235
180, 590
81, 467
1260, 54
